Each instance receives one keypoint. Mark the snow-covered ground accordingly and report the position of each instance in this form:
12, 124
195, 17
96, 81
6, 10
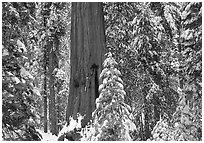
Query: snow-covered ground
72, 125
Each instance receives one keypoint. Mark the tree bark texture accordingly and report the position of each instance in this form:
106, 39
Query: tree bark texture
87, 52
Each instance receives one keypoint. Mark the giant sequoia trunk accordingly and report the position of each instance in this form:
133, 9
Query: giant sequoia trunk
87, 50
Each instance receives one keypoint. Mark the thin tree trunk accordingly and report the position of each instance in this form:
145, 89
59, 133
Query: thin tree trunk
45, 91
180, 58
87, 51
142, 124
147, 132
52, 112
58, 113
53, 63
45, 113
146, 115
156, 108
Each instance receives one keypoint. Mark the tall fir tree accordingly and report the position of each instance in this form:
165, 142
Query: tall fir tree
111, 119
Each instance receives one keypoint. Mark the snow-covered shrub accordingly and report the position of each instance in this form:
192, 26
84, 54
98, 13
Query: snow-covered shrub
88, 132
111, 119
71, 131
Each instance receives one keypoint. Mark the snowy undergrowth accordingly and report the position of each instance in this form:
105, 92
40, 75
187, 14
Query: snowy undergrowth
47, 136
111, 119
73, 124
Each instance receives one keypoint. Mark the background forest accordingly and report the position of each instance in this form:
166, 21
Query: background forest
102, 71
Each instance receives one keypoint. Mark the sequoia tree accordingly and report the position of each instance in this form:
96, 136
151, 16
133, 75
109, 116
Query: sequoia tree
87, 50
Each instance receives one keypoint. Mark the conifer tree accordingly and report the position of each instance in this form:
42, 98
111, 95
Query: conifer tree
111, 118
